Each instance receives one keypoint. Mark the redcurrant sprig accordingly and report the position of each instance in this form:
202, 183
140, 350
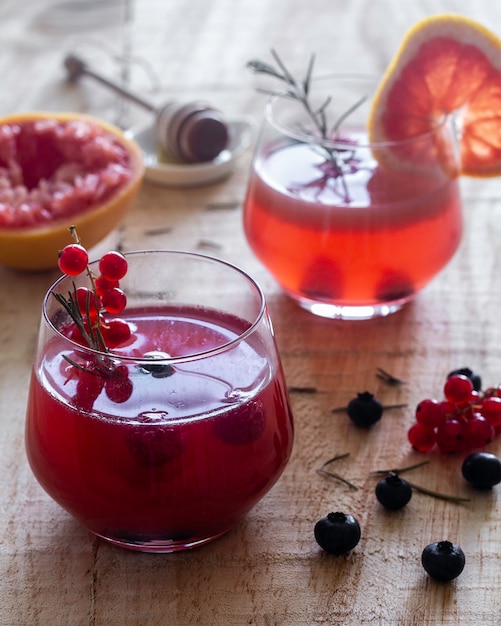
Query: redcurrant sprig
466, 418
88, 306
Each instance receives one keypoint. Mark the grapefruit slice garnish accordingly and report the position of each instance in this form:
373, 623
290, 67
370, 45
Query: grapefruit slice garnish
446, 73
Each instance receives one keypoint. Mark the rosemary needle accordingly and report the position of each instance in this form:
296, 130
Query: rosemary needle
324, 472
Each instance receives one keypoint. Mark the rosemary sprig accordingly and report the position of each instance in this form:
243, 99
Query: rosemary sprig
296, 89
423, 490
388, 378
90, 332
325, 472
89, 326
300, 90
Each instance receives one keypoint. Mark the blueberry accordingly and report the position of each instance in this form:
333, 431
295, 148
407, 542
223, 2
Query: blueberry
157, 370
443, 560
365, 409
337, 533
393, 492
482, 470
466, 371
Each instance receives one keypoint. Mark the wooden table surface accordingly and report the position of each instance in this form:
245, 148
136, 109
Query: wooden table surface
268, 570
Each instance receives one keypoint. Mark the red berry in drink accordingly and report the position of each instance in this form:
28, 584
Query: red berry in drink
394, 285
113, 265
114, 300
450, 436
430, 413
244, 430
478, 432
115, 332
322, 280
73, 259
89, 385
118, 386
421, 437
153, 445
458, 388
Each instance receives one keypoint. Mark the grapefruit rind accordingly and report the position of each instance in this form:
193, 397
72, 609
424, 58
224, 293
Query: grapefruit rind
36, 248
446, 72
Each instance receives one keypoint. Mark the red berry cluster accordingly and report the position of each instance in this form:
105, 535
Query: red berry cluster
89, 308
465, 419
105, 295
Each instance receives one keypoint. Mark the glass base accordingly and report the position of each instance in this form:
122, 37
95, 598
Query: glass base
345, 312
160, 546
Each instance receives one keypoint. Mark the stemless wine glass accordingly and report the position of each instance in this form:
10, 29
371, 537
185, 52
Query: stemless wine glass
167, 441
349, 228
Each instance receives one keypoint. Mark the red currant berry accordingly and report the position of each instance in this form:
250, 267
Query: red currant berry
494, 392
430, 413
73, 259
103, 284
473, 376
115, 332
448, 408
478, 432
114, 300
89, 386
421, 437
119, 386
458, 388
88, 302
74, 333
450, 436
490, 408
113, 265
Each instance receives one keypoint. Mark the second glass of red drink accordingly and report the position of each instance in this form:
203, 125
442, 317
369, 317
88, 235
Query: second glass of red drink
350, 229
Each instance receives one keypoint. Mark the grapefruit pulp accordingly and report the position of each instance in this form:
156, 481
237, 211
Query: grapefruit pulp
448, 67
58, 170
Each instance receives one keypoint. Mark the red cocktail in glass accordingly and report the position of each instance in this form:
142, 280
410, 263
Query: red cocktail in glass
348, 228
192, 429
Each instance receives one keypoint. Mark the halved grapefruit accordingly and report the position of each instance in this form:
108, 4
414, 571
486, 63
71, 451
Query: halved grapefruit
447, 67
58, 170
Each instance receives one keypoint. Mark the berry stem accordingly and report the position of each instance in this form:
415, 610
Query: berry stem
94, 339
74, 234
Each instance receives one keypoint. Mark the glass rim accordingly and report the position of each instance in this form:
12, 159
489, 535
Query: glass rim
170, 360
304, 137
